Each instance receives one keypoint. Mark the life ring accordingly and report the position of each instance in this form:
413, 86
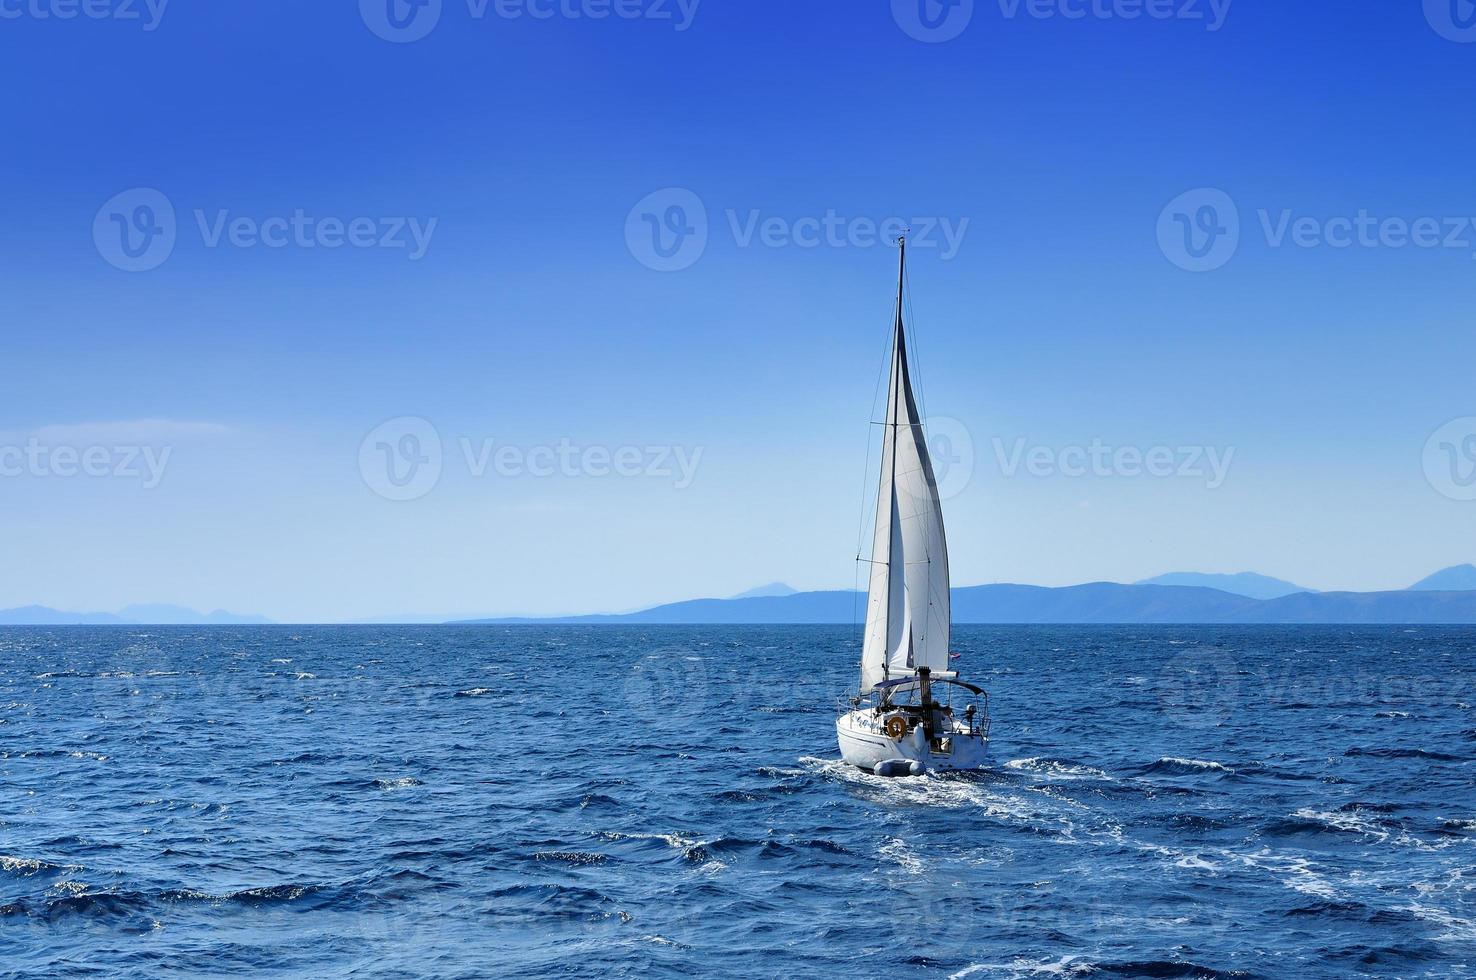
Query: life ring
896, 728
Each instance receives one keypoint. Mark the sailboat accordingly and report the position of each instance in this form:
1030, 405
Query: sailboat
902, 720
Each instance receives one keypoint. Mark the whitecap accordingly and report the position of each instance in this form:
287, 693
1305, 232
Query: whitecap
1202, 764
1056, 768
897, 850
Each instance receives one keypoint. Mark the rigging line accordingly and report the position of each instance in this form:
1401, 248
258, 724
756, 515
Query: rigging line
861, 519
881, 369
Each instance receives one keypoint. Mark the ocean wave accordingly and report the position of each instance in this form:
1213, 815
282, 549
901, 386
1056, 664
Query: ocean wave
398, 830
571, 857
1308, 820
124, 903
1056, 768
1402, 753
1174, 766
1068, 966
20, 867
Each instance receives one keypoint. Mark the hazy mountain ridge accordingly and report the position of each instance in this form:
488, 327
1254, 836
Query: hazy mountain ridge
135, 615
1095, 603
1250, 584
1457, 578
1448, 596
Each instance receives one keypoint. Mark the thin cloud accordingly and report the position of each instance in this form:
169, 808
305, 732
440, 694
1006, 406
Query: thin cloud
141, 432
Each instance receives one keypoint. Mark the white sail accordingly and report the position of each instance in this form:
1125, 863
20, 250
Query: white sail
907, 609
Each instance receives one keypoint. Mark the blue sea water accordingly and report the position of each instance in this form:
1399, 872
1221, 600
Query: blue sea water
667, 801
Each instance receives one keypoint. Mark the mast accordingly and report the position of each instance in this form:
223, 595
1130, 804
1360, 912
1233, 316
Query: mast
907, 604
889, 479
894, 413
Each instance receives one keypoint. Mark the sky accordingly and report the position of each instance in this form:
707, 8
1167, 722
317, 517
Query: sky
345, 310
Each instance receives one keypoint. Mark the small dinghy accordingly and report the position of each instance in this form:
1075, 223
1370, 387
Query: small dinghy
903, 720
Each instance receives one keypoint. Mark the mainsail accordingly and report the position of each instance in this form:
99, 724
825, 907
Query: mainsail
907, 608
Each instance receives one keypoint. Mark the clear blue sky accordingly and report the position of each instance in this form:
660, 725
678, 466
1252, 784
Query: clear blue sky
530, 321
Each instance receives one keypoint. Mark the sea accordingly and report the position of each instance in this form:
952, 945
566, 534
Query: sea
489, 801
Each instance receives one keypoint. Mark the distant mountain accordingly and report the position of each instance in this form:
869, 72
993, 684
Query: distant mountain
140, 615
166, 615
42, 616
766, 591
1245, 583
1458, 578
1098, 602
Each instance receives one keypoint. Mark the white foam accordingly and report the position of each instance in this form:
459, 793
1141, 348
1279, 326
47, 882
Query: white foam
1349, 820
896, 850
1204, 764
1061, 770
1018, 809
1065, 966
1457, 929
1296, 872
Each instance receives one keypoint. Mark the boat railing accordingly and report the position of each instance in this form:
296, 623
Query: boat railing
979, 721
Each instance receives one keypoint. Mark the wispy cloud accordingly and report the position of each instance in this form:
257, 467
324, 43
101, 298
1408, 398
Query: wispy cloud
138, 432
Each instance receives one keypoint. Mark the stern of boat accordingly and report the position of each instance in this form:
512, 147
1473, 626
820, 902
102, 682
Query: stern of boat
865, 741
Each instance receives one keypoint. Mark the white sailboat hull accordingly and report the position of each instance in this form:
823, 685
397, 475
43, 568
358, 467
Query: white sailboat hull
864, 743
